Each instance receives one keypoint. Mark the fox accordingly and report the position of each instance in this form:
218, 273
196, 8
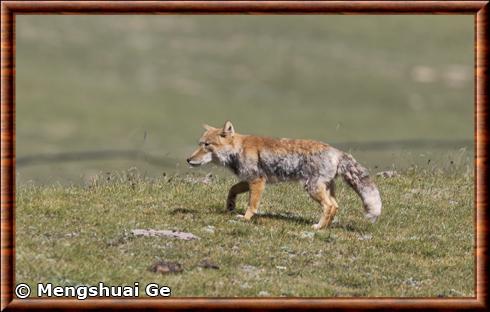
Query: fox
258, 160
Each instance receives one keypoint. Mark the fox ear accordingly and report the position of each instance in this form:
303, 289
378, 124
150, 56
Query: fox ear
228, 128
207, 127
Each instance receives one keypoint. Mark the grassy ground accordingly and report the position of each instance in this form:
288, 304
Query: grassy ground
423, 245
147, 83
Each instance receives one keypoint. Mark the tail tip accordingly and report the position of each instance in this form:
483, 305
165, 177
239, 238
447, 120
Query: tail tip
372, 217
372, 205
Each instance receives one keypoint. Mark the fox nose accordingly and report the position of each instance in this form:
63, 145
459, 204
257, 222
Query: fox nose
188, 160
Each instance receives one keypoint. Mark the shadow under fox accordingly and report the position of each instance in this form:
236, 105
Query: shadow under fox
256, 160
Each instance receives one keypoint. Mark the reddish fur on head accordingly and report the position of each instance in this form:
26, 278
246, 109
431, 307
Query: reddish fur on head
212, 141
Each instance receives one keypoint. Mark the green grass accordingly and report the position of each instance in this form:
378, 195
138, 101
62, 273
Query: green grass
423, 244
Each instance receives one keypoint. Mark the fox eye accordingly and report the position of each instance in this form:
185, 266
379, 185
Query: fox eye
206, 143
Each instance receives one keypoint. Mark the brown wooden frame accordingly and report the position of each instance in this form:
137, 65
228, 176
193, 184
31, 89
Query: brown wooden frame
9, 9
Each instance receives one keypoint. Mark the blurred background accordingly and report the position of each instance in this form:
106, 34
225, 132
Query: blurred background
98, 94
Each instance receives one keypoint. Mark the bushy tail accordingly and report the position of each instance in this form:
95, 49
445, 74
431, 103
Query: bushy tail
358, 178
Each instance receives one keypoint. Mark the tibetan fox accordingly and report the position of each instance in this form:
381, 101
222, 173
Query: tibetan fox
257, 160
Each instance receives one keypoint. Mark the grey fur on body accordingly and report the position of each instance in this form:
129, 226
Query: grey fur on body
309, 168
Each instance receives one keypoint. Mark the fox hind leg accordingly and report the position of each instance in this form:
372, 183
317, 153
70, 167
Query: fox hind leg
256, 187
235, 190
321, 193
331, 186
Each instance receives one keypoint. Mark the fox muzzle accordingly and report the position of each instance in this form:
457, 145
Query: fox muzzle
199, 158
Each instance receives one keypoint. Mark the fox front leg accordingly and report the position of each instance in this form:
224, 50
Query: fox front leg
235, 190
256, 188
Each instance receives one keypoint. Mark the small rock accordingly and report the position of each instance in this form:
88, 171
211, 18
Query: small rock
164, 233
307, 234
205, 180
206, 264
245, 286
208, 178
209, 229
412, 282
455, 292
280, 267
263, 293
387, 174
165, 267
249, 268
365, 237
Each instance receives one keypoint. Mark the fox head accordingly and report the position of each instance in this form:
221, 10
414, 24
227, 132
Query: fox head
215, 144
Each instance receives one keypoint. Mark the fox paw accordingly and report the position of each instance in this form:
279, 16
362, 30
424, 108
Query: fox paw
248, 215
317, 226
230, 206
372, 218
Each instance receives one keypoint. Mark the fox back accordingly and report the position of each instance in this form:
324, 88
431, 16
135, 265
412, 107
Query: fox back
250, 157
